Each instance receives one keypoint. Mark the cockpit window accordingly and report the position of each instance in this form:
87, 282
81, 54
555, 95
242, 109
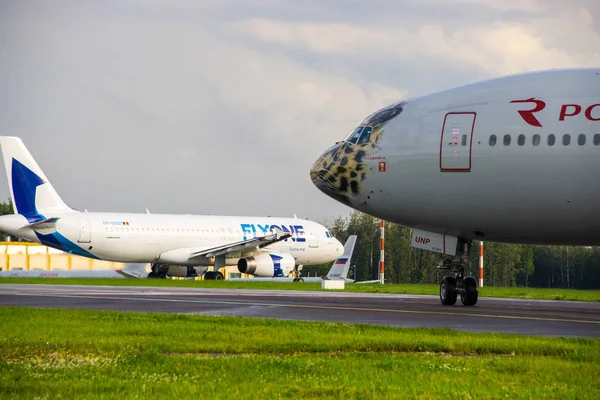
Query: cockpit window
354, 136
328, 234
360, 135
366, 135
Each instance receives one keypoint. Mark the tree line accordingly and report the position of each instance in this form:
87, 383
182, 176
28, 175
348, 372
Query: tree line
504, 264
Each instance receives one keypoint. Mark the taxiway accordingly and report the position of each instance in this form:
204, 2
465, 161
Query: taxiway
529, 317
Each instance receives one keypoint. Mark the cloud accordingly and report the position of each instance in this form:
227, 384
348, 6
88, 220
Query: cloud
498, 47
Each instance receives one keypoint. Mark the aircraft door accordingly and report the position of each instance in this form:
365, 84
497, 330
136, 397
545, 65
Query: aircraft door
85, 232
313, 241
456, 141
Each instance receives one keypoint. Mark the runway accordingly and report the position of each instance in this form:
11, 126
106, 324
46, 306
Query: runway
529, 317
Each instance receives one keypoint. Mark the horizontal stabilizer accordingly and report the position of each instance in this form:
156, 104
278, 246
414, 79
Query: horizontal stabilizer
134, 271
45, 226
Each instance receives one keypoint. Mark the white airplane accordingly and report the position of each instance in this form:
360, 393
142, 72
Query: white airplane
173, 244
513, 159
130, 271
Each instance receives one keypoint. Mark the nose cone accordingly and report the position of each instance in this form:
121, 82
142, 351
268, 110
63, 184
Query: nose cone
340, 171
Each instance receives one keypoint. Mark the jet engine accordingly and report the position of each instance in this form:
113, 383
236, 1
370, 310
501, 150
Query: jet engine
267, 265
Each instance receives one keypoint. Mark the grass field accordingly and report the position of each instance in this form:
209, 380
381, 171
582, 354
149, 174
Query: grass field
91, 354
486, 291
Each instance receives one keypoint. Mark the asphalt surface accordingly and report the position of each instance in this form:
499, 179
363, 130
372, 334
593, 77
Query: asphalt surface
530, 317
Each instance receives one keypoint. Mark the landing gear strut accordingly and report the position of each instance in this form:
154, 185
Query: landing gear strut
297, 273
158, 271
455, 283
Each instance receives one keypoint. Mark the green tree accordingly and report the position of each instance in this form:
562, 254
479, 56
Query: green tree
6, 207
525, 266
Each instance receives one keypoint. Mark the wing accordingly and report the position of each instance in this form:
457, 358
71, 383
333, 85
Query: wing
250, 244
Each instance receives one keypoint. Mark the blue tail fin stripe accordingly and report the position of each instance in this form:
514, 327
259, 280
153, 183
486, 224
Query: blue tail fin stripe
24, 185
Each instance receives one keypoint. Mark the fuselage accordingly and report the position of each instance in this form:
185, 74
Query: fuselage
511, 160
143, 238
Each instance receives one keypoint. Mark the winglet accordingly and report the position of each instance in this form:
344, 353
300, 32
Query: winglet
341, 266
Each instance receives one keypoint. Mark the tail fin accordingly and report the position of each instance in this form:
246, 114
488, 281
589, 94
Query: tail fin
31, 192
341, 266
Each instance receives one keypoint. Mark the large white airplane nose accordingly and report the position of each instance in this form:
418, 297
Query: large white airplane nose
342, 169
335, 174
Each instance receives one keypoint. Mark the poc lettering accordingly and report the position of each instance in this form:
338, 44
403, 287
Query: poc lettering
570, 110
533, 106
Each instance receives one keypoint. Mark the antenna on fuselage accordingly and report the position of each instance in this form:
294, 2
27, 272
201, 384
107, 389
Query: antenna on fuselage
295, 216
147, 211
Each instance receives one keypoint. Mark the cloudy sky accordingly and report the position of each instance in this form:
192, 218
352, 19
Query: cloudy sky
221, 106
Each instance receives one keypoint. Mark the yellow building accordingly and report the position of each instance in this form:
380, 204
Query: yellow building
34, 256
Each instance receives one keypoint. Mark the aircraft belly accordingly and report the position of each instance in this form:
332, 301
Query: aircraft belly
507, 199
124, 250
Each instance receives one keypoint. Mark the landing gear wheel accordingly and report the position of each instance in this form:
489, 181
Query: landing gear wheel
162, 275
217, 276
298, 279
208, 276
152, 275
448, 293
470, 296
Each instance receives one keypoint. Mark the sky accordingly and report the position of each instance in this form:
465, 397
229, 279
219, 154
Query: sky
222, 106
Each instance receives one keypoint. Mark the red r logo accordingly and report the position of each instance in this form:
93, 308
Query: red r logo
527, 115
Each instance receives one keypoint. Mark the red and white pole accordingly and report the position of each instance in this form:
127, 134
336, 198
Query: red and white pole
381, 257
481, 264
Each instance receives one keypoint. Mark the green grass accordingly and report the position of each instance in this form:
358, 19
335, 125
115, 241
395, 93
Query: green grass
486, 291
92, 354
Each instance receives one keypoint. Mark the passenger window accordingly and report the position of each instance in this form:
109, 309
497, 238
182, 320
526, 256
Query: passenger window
566, 140
551, 140
354, 137
521, 140
536, 139
581, 140
493, 140
597, 139
463, 140
506, 140
366, 135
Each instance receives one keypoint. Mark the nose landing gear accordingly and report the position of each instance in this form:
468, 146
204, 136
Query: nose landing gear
455, 283
297, 274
